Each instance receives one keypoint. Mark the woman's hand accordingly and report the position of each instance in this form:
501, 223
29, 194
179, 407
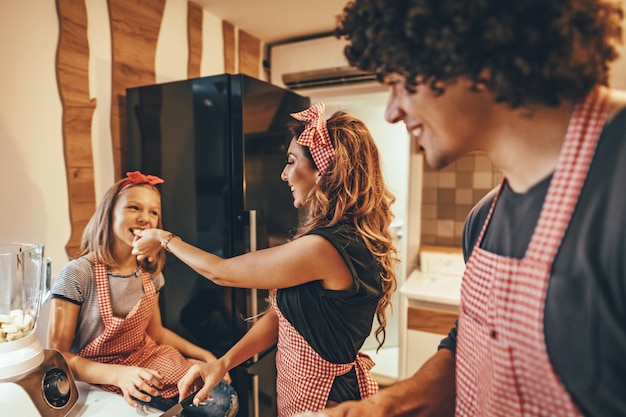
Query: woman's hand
210, 374
210, 357
147, 243
140, 383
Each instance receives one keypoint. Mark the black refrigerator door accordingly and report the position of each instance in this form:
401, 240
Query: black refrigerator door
181, 132
265, 113
269, 217
220, 144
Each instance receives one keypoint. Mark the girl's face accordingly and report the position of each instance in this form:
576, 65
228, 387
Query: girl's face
137, 207
299, 174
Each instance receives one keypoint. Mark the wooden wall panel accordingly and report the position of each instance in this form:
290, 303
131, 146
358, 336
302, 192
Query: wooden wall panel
194, 39
249, 54
134, 33
228, 32
135, 28
72, 70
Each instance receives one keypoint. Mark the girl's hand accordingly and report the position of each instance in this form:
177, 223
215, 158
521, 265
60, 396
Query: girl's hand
140, 383
210, 374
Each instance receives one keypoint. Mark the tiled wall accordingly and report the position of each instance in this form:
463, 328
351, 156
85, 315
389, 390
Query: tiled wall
449, 194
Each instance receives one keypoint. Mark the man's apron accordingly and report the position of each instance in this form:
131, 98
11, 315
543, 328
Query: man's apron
502, 363
126, 342
304, 378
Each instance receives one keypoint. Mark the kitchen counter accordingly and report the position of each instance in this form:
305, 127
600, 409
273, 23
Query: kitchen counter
96, 402
429, 304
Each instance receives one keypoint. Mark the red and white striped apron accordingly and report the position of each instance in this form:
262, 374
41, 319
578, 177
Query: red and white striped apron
304, 378
126, 342
503, 368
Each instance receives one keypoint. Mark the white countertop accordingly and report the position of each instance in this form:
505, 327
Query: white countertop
433, 287
96, 402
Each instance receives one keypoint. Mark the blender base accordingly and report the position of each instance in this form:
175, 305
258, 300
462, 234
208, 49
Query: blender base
49, 390
15, 402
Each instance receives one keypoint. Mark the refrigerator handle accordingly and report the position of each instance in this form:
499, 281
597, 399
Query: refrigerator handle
254, 307
252, 230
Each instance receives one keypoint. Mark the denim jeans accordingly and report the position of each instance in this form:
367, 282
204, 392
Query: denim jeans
224, 403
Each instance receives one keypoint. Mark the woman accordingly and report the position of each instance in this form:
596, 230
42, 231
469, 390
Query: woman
328, 282
105, 312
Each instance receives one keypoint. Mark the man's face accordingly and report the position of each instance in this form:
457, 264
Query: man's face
447, 126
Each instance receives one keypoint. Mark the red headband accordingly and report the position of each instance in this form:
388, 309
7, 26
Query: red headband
315, 136
137, 177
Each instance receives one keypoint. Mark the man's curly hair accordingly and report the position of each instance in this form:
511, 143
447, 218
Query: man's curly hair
534, 51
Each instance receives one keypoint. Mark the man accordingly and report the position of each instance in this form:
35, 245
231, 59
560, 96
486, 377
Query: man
542, 323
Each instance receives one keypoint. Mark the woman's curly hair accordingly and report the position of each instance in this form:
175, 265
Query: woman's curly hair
535, 51
353, 190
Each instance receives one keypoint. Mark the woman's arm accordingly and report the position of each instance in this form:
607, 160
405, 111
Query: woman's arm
261, 336
309, 258
137, 382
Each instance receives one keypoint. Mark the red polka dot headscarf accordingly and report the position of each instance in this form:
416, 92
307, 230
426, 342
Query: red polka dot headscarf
315, 136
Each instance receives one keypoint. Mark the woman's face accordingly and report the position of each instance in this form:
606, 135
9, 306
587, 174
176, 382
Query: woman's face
137, 207
299, 174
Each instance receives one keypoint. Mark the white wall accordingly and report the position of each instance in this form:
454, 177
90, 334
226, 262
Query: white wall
33, 185
32, 169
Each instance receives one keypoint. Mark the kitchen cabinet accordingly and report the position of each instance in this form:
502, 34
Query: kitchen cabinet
426, 326
429, 305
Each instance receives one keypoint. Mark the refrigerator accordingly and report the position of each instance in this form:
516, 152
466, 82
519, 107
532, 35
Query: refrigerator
220, 144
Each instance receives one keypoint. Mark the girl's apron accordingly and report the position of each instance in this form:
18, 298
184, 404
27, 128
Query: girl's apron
304, 378
126, 342
503, 368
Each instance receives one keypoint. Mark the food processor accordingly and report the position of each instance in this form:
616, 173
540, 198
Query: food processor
33, 381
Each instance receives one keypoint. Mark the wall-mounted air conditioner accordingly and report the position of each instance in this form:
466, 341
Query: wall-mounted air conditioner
313, 63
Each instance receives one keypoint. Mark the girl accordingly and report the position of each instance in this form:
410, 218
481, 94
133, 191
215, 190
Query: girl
105, 313
328, 283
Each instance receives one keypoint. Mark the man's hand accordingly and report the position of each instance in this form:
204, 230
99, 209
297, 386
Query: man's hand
430, 392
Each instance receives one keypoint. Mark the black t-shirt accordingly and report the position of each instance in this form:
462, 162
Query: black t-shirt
336, 323
585, 310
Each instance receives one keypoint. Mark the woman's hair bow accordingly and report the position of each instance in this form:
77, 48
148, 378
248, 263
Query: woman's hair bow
137, 177
315, 135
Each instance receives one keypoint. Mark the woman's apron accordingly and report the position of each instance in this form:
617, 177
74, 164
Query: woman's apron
502, 363
126, 342
304, 378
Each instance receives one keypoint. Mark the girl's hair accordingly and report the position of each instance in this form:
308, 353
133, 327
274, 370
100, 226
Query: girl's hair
98, 236
533, 51
353, 190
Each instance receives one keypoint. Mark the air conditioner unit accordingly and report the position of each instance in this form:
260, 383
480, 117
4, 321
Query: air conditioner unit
318, 62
